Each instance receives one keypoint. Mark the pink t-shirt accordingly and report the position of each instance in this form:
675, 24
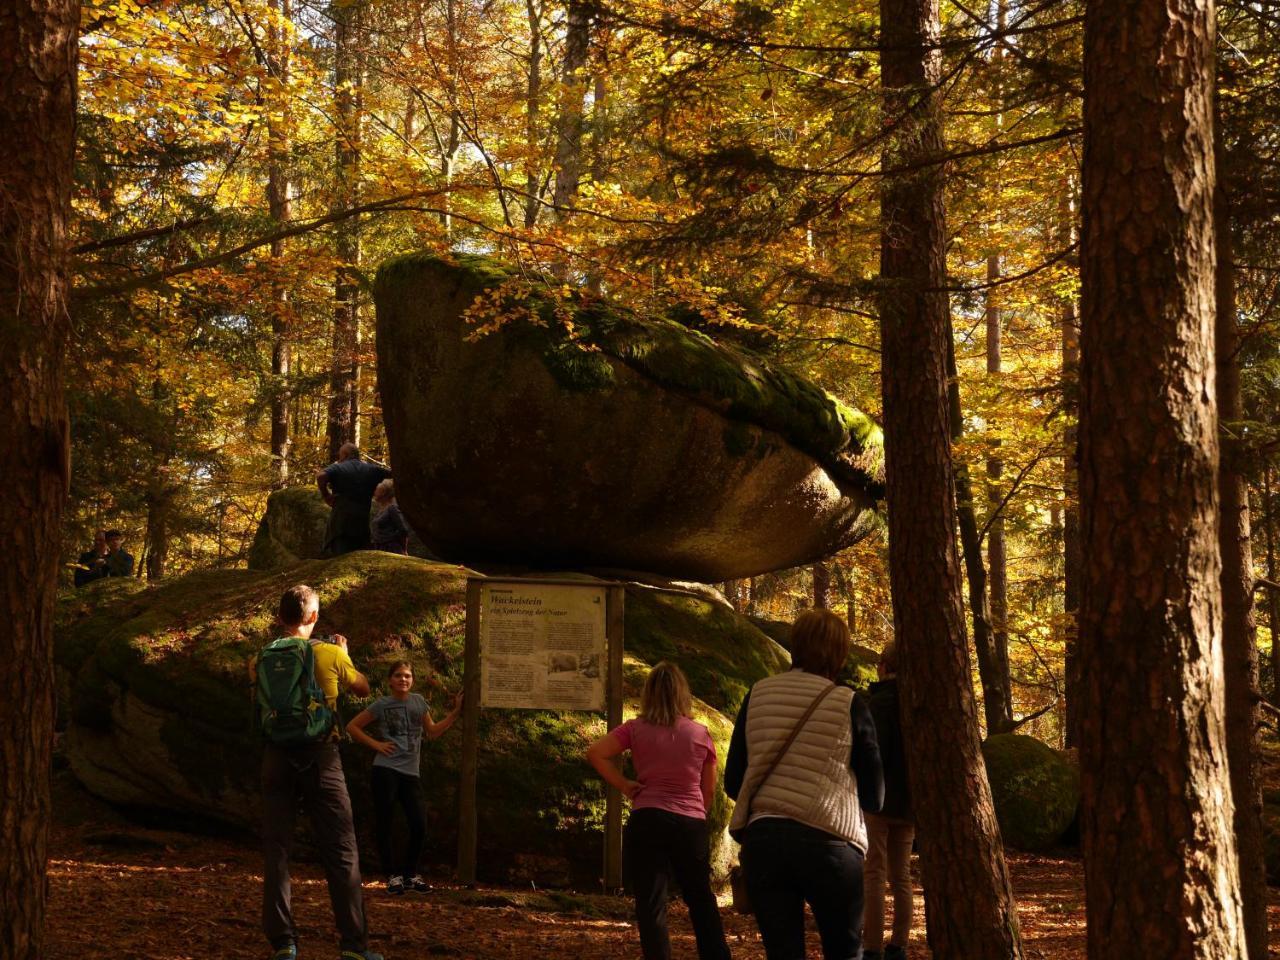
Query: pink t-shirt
669, 762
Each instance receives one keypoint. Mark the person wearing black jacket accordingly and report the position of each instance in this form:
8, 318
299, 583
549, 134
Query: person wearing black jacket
890, 832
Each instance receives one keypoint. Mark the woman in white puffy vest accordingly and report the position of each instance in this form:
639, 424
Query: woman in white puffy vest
803, 765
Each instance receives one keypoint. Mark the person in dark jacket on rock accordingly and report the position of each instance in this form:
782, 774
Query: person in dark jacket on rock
890, 832
347, 485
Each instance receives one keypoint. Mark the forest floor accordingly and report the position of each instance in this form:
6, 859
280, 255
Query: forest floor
118, 890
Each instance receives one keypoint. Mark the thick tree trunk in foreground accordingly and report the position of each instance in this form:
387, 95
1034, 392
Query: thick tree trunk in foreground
1160, 862
968, 900
1239, 638
37, 143
344, 375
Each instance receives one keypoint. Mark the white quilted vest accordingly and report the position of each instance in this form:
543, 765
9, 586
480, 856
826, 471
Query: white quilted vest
813, 783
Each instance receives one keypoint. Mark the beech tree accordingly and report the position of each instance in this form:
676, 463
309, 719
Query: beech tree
1157, 815
968, 900
37, 146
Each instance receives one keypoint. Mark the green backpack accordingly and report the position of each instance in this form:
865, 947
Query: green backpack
291, 707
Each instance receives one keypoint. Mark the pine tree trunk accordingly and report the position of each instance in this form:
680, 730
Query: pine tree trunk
568, 158
995, 707
998, 582
821, 585
344, 376
1273, 597
279, 204
968, 900
533, 97
37, 144
1072, 551
1239, 639
1157, 813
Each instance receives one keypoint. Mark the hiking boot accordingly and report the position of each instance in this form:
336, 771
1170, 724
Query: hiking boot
417, 884
361, 954
895, 952
396, 885
285, 953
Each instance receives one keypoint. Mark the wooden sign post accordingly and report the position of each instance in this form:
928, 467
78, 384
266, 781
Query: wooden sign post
539, 645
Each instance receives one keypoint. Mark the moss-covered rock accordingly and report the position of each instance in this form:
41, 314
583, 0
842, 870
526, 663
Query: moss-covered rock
160, 712
1036, 790
292, 529
548, 429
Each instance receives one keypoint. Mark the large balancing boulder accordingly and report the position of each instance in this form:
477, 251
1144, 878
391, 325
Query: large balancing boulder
540, 426
1036, 790
159, 719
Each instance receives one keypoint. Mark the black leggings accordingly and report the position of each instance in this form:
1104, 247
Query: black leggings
388, 787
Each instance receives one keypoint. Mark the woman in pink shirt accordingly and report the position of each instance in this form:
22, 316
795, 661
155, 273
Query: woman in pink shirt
666, 835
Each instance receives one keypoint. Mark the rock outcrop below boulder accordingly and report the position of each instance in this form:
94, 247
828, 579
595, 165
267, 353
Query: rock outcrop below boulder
538, 426
1036, 790
292, 528
158, 707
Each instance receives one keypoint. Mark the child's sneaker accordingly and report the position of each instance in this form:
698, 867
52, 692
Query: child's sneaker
418, 885
286, 953
395, 885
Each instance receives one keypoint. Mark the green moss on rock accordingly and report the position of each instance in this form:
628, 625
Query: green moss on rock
576, 333
1036, 790
292, 529
161, 710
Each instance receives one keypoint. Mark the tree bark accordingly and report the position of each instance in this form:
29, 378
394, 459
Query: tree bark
279, 204
1239, 639
37, 145
968, 900
1273, 598
344, 376
1157, 811
533, 96
997, 566
995, 707
573, 85
821, 585
1072, 551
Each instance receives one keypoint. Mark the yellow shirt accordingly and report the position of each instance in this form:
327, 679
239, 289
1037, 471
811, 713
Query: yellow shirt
334, 670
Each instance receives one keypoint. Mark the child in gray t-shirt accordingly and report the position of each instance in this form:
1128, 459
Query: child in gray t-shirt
402, 718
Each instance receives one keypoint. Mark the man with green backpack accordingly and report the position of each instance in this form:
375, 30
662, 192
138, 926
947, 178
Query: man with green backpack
298, 681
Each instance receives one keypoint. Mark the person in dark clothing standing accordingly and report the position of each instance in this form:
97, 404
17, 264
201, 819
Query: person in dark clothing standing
347, 485
388, 529
890, 832
93, 562
119, 561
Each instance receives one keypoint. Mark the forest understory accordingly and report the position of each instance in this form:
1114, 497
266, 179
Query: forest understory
118, 889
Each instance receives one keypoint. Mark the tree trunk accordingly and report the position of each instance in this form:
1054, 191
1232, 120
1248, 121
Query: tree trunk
533, 95
1273, 597
1072, 551
998, 582
1239, 639
968, 900
156, 546
568, 158
1157, 811
37, 144
344, 376
995, 707
821, 585
279, 204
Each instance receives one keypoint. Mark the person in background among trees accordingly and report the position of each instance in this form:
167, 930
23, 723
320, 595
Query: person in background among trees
666, 836
890, 832
93, 562
347, 485
800, 800
388, 529
402, 718
119, 563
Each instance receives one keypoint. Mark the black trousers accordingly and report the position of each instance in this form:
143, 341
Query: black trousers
659, 846
789, 864
389, 787
313, 773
